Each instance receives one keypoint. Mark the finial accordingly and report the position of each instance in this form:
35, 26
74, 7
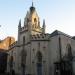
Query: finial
32, 8
44, 22
20, 21
32, 3
44, 26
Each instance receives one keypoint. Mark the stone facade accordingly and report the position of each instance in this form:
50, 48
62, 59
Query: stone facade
36, 52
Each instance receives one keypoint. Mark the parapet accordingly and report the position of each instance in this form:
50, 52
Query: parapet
40, 37
24, 28
13, 45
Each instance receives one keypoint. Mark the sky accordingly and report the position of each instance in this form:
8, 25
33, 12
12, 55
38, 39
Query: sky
58, 14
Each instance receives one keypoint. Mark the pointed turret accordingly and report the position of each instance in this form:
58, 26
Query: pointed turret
44, 26
19, 29
19, 23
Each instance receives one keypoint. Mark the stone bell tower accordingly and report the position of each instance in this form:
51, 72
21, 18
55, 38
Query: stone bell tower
31, 25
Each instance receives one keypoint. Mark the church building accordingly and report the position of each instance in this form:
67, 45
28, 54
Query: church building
39, 53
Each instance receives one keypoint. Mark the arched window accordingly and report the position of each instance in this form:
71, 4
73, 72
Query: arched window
69, 51
68, 64
39, 63
35, 22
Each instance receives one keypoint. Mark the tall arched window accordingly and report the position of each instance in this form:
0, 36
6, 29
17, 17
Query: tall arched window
68, 64
69, 51
39, 63
23, 39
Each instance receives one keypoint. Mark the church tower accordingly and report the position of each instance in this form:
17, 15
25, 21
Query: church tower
32, 21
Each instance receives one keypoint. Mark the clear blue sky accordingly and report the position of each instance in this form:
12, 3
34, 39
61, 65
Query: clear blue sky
59, 14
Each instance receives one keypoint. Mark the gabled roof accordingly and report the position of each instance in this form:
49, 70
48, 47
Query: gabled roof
56, 32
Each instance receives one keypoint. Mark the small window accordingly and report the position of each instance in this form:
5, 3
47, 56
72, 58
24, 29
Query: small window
39, 56
39, 45
69, 50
